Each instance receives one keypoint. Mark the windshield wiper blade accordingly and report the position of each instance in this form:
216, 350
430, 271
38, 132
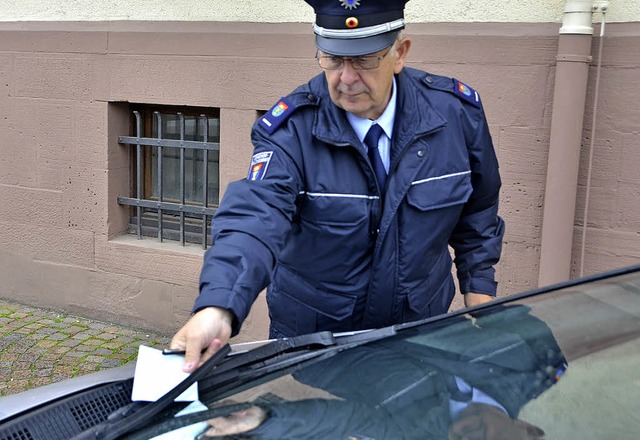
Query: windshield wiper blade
278, 347
278, 357
140, 415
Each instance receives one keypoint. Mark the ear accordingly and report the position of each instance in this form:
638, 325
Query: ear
402, 49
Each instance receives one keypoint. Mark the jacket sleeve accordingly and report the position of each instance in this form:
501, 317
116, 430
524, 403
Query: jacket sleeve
249, 229
477, 238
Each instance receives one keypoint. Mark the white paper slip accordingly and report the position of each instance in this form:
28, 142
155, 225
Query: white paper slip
156, 374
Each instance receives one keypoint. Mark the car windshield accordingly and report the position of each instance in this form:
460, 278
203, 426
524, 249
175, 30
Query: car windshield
555, 365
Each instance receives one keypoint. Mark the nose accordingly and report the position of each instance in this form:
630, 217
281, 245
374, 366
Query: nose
349, 75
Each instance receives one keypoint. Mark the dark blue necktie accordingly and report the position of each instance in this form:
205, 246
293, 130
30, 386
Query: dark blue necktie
371, 141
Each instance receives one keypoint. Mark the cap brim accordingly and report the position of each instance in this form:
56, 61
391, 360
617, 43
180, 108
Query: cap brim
355, 46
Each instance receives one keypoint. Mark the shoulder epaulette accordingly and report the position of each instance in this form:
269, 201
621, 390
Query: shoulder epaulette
467, 93
277, 115
457, 87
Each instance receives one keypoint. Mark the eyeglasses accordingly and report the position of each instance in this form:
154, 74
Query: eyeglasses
333, 62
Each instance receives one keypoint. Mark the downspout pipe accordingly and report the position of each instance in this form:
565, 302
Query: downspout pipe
572, 73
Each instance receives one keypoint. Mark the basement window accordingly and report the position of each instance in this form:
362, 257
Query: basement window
175, 172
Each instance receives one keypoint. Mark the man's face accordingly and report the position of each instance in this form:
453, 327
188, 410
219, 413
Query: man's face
366, 93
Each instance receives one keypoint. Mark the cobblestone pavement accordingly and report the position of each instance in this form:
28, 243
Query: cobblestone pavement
39, 347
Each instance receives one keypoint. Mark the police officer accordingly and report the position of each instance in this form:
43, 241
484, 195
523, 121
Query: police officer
360, 181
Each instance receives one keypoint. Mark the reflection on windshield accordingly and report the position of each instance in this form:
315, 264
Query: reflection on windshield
465, 380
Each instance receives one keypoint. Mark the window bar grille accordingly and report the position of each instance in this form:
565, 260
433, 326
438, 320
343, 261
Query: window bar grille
157, 142
205, 179
182, 189
138, 175
160, 193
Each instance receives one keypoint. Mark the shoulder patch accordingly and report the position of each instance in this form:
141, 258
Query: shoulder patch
259, 165
277, 115
466, 93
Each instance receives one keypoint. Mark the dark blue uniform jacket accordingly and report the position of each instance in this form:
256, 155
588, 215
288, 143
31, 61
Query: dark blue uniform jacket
334, 254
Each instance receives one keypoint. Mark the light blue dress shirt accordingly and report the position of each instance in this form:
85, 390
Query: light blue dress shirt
385, 121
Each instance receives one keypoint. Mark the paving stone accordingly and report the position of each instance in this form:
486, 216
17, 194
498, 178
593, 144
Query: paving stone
46, 343
29, 356
58, 337
94, 342
111, 363
103, 352
57, 377
85, 348
44, 364
70, 343
76, 354
20, 374
39, 381
42, 372
75, 329
95, 359
62, 348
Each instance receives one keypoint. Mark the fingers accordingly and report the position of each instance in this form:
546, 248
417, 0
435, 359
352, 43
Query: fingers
202, 336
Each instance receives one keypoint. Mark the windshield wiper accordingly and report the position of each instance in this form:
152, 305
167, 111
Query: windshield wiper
137, 415
232, 376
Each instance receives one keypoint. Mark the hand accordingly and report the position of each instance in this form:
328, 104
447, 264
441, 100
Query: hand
202, 336
235, 423
475, 299
480, 421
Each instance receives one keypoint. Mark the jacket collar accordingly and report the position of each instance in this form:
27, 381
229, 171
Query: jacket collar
331, 124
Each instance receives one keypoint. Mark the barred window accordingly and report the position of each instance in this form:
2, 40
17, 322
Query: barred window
175, 172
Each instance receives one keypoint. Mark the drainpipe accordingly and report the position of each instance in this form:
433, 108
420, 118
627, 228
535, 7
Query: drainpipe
572, 71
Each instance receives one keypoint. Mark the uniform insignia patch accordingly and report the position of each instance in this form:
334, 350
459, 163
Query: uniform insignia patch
259, 165
467, 93
277, 115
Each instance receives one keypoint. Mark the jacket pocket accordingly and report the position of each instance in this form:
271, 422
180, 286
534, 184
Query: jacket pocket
427, 301
334, 210
440, 192
296, 304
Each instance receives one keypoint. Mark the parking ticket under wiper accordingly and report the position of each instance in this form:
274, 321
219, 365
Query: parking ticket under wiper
141, 415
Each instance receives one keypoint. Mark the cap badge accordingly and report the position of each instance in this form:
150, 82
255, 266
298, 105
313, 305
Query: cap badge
352, 22
350, 4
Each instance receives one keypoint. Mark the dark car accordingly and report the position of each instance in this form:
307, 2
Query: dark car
561, 362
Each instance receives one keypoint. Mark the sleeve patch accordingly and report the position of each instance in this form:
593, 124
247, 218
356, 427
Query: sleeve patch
466, 93
277, 115
259, 165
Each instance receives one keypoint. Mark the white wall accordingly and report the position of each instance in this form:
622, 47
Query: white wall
531, 11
